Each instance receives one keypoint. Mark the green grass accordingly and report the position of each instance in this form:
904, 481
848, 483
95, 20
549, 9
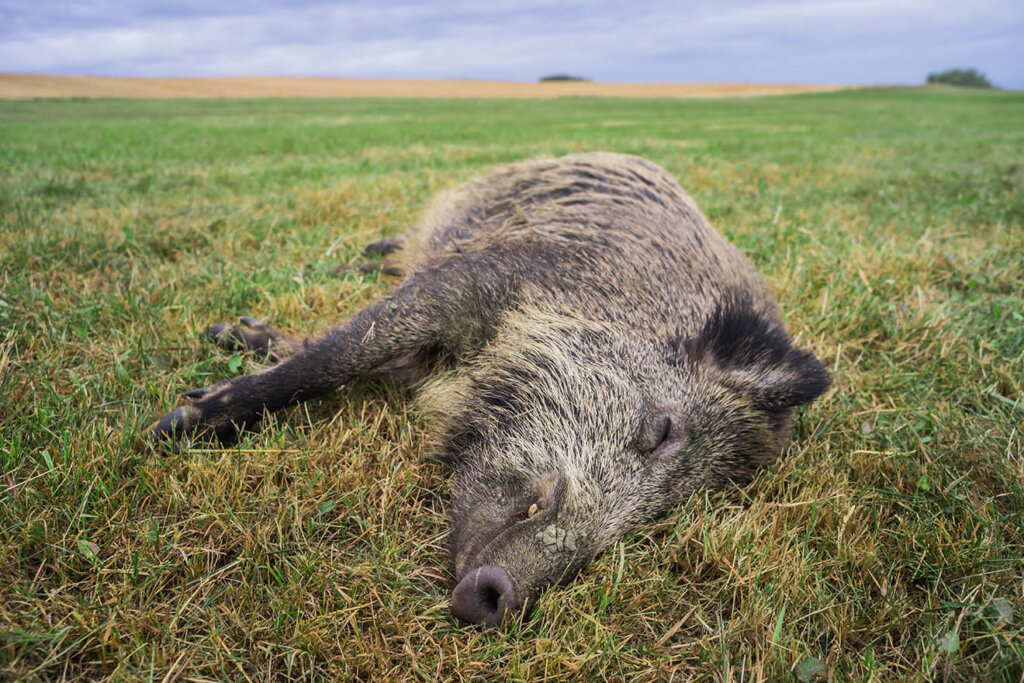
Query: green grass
887, 545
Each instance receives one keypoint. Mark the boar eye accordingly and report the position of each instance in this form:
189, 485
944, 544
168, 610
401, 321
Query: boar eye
659, 433
666, 430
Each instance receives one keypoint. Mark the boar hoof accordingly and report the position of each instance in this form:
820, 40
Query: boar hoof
485, 596
264, 341
382, 247
197, 419
174, 424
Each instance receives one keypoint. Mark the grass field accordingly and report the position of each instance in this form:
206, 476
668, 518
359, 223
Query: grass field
888, 544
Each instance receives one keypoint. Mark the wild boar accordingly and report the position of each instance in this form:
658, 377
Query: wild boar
592, 349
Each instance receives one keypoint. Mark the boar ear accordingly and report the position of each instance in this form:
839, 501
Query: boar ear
758, 356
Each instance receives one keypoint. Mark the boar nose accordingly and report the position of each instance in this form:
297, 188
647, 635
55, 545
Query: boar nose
485, 596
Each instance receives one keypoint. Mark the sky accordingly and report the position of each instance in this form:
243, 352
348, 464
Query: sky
759, 41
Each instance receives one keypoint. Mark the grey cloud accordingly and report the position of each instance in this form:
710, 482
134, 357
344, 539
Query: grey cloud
839, 41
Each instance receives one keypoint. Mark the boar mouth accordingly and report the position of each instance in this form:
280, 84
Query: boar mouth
545, 502
491, 535
487, 593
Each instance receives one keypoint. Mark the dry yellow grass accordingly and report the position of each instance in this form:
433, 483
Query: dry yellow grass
23, 86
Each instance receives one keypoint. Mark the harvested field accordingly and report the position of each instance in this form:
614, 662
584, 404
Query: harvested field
22, 86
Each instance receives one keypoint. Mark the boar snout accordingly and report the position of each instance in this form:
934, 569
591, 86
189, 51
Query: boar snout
486, 595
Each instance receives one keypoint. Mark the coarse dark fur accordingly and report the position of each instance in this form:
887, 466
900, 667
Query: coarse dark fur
593, 352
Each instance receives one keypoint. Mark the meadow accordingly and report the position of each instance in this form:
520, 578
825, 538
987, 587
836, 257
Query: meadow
888, 544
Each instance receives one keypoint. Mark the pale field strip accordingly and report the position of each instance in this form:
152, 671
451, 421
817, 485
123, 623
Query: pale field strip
26, 86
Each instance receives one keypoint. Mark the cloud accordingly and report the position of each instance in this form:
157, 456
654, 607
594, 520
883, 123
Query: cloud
837, 41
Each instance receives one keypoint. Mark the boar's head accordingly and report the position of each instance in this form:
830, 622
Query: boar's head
566, 435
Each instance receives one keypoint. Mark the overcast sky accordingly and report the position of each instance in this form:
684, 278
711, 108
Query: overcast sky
767, 41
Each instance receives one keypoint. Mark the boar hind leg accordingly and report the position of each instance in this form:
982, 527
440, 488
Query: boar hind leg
263, 341
424, 315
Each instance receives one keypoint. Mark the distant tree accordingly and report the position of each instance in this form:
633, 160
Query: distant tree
562, 77
966, 78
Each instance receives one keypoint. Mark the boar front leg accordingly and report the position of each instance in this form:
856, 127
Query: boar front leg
429, 311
